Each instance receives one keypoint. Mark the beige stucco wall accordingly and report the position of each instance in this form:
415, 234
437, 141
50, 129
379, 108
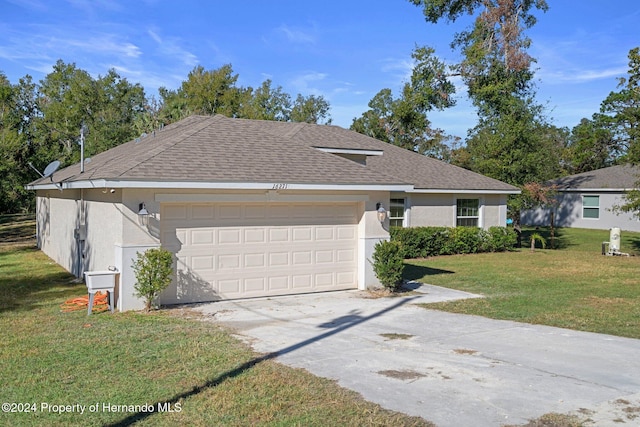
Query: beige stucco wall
60, 214
57, 215
439, 210
495, 210
436, 210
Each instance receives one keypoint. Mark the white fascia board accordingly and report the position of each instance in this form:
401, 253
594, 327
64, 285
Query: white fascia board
268, 196
445, 191
350, 151
593, 190
107, 183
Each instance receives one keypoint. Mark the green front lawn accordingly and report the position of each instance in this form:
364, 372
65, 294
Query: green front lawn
573, 286
49, 359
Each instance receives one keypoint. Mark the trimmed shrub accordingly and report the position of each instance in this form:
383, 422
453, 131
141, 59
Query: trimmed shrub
153, 270
463, 240
501, 239
388, 263
422, 242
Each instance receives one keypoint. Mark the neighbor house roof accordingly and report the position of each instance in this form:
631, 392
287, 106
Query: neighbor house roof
207, 149
614, 178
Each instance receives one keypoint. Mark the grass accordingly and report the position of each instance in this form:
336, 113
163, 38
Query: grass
572, 287
195, 368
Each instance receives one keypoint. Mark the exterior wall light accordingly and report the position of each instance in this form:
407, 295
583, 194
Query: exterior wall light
143, 215
382, 213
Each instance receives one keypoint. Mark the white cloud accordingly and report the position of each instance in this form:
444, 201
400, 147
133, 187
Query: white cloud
171, 46
303, 83
580, 76
297, 35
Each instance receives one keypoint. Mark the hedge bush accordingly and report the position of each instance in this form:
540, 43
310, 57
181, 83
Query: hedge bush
422, 242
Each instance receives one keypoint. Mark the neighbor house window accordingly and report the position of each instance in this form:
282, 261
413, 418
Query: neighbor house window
468, 212
396, 212
591, 207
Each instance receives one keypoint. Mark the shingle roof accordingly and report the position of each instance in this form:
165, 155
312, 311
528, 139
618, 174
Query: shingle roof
614, 177
221, 149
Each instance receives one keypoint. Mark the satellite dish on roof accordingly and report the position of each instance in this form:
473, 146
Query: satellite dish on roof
49, 171
51, 168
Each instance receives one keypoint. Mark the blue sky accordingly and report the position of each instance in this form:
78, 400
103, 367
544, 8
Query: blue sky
343, 50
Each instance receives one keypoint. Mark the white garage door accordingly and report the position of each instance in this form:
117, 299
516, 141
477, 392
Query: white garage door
231, 250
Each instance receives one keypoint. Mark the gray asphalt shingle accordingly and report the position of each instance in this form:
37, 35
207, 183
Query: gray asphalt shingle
221, 149
614, 177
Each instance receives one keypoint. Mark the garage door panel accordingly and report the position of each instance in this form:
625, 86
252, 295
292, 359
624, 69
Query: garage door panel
226, 262
278, 283
254, 260
302, 281
301, 258
247, 250
202, 263
345, 278
230, 286
255, 235
345, 255
256, 284
324, 257
229, 236
278, 259
201, 237
302, 234
345, 233
278, 235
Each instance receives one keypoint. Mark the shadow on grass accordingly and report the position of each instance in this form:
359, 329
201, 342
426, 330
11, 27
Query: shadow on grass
416, 272
336, 327
22, 287
634, 243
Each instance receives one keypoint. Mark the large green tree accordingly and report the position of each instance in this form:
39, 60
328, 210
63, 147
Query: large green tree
620, 111
216, 91
590, 146
12, 150
403, 121
203, 92
69, 98
266, 103
513, 140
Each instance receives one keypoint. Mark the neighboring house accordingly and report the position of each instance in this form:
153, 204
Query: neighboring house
251, 208
586, 200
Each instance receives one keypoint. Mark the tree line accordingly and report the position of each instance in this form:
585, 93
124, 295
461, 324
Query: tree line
41, 122
513, 140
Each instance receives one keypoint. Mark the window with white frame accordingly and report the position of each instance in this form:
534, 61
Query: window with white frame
591, 207
396, 212
467, 212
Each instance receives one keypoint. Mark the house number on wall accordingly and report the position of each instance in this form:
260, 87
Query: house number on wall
280, 186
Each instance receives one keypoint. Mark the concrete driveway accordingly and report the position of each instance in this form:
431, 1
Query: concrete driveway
450, 369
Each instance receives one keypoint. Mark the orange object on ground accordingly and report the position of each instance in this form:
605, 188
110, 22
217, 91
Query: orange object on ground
100, 303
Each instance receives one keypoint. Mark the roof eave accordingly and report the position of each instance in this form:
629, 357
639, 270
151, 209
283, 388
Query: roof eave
111, 183
595, 190
462, 191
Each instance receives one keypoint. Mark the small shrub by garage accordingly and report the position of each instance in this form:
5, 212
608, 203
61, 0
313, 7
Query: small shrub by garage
153, 270
388, 264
